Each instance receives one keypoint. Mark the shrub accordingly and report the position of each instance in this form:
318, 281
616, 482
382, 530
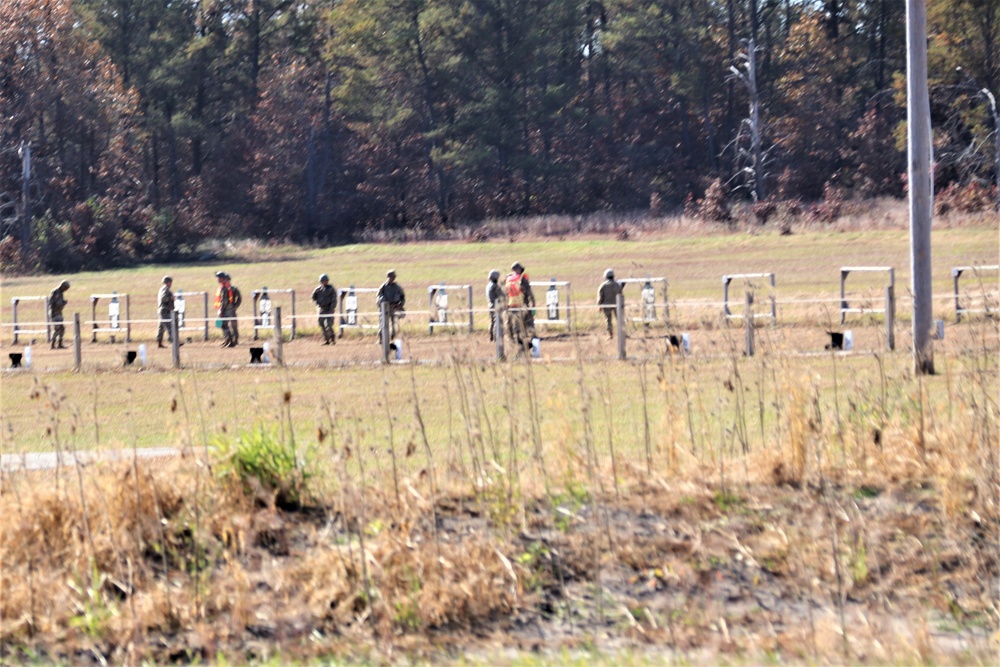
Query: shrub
261, 462
715, 206
10, 255
970, 198
763, 210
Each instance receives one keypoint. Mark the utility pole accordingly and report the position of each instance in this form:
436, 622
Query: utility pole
918, 130
25, 153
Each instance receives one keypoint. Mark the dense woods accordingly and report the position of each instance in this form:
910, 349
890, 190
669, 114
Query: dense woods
153, 124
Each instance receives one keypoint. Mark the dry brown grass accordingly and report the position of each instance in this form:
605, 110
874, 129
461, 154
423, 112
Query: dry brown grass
776, 517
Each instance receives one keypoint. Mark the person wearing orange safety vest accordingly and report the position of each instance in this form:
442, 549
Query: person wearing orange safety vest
227, 300
520, 301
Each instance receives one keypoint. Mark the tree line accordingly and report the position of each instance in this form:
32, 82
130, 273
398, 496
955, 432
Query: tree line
154, 124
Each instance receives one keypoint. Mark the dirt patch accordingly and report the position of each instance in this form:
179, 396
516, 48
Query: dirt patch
674, 570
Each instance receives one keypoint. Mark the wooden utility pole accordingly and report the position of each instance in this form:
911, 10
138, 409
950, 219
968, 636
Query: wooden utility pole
918, 124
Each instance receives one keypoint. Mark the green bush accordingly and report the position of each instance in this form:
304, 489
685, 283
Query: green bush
263, 462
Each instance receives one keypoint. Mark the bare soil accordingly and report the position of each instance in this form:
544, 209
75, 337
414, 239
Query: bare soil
833, 571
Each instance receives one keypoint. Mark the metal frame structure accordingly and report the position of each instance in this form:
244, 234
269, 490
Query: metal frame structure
435, 308
345, 313
889, 307
728, 314
643, 305
956, 273
122, 298
14, 301
262, 319
552, 286
180, 296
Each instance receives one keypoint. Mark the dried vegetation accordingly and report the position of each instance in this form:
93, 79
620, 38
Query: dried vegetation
794, 524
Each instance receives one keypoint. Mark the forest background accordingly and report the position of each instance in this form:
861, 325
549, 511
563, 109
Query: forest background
156, 124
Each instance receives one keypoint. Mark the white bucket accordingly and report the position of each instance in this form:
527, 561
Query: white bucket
536, 347
27, 356
142, 354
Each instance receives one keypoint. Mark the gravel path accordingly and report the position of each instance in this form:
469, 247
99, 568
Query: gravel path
49, 460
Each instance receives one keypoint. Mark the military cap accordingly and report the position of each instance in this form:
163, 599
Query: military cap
516, 266
324, 278
221, 275
609, 273
391, 273
494, 275
168, 279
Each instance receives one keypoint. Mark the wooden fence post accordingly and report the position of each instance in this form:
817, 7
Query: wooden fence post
498, 334
384, 329
77, 352
279, 338
620, 313
175, 339
890, 318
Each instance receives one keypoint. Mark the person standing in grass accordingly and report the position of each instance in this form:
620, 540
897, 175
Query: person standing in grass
607, 299
165, 301
57, 302
392, 293
497, 300
325, 296
227, 301
520, 301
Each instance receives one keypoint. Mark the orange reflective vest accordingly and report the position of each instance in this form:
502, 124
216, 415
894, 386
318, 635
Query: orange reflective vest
224, 296
515, 294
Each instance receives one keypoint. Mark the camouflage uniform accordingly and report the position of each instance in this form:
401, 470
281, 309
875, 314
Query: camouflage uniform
57, 302
325, 296
391, 293
165, 301
227, 300
607, 299
520, 301
497, 300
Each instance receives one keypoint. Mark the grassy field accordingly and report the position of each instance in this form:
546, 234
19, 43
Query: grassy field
806, 266
796, 506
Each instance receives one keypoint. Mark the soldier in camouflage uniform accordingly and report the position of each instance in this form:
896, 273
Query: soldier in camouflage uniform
57, 302
520, 301
227, 300
392, 293
325, 296
165, 306
607, 299
497, 300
